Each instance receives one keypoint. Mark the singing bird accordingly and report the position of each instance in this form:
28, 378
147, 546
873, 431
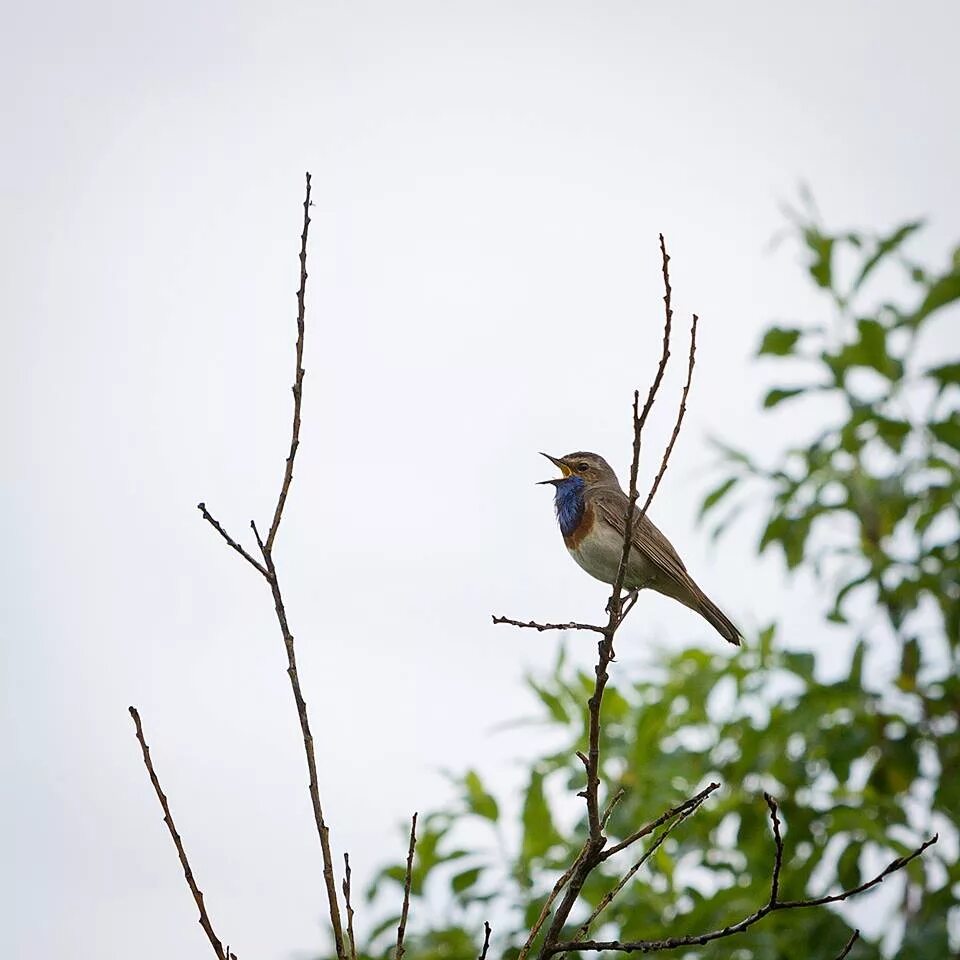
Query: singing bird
591, 510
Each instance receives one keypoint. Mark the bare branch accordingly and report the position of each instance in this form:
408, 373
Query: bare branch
849, 946
322, 829
349, 906
673, 943
691, 803
178, 843
778, 841
563, 880
401, 928
202, 507
533, 625
298, 376
686, 811
269, 571
680, 413
486, 941
639, 421
597, 840
891, 867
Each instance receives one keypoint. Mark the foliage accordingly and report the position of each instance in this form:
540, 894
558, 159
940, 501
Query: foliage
864, 765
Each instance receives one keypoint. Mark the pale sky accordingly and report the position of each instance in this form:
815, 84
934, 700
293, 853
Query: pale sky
489, 181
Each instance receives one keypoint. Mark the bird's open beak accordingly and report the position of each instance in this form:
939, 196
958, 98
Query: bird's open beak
564, 469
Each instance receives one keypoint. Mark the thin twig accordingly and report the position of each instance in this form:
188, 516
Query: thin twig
640, 420
322, 829
533, 625
401, 928
690, 940
849, 946
680, 413
608, 897
611, 806
891, 867
596, 839
548, 903
202, 507
298, 376
177, 842
691, 802
486, 941
269, 571
778, 841
349, 906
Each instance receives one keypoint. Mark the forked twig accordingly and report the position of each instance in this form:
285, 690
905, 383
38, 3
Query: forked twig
178, 843
269, 572
772, 905
686, 810
646, 829
562, 881
596, 839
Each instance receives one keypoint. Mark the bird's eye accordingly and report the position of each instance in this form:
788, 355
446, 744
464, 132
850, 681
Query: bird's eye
583, 466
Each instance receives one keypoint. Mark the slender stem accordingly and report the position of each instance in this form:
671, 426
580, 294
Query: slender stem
298, 376
349, 906
486, 941
178, 842
699, 939
408, 878
322, 829
269, 572
683, 409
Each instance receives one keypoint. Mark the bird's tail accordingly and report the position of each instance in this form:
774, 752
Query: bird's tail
716, 618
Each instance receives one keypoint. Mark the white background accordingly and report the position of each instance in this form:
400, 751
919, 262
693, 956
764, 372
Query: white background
490, 179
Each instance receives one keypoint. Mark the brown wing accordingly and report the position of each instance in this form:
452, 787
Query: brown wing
645, 537
671, 578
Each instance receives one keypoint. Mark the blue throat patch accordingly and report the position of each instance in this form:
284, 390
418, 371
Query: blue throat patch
569, 504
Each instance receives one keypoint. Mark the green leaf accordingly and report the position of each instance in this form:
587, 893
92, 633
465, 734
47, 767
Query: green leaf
821, 246
948, 431
732, 454
779, 394
892, 432
801, 664
945, 375
909, 665
778, 342
848, 866
871, 349
478, 800
463, 881
539, 833
855, 675
558, 712
716, 495
943, 291
774, 532
885, 247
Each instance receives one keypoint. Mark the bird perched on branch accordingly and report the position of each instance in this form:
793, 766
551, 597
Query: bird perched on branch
592, 508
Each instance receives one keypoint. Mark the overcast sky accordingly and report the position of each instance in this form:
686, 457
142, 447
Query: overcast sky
489, 181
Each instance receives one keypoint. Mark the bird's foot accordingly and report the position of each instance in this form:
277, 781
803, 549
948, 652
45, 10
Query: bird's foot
627, 600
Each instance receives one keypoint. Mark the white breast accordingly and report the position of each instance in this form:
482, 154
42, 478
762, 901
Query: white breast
599, 554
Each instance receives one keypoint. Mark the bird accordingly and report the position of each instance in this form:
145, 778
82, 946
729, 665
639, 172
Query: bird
592, 508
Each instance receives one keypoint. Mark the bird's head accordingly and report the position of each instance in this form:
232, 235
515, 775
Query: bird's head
591, 468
